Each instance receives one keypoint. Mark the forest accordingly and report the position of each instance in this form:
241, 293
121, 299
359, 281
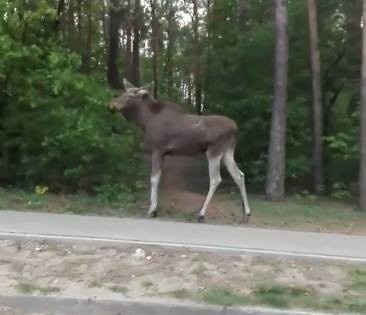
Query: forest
288, 72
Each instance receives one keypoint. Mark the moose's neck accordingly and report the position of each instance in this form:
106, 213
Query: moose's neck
138, 113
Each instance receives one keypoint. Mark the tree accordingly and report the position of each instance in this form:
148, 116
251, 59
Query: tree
155, 45
135, 67
60, 10
171, 33
128, 52
275, 184
362, 179
116, 14
197, 53
317, 99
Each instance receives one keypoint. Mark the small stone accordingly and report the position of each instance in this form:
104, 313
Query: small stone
148, 257
183, 256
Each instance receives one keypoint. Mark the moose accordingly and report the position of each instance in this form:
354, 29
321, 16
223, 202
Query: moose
168, 130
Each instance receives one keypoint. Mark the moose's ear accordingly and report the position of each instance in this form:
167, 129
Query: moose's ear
148, 86
127, 85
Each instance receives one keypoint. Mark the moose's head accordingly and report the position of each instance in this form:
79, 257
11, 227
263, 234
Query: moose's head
130, 97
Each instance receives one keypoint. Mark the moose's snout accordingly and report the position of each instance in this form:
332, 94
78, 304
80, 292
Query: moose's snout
113, 104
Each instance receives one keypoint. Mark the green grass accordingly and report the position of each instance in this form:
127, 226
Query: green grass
147, 284
302, 213
81, 203
118, 289
199, 270
277, 296
181, 294
222, 296
29, 288
357, 280
280, 296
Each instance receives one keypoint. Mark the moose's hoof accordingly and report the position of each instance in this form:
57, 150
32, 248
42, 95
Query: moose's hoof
246, 218
201, 219
153, 214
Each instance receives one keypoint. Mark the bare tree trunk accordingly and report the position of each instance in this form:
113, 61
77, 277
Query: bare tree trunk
275, 185
71, 25
79, 24
88, 52
155, 42
115, 19
128, 52
317, 100
242, 15
189, 90
135, 69
171, 40
60, 11
362, 179
208, 50
197, 68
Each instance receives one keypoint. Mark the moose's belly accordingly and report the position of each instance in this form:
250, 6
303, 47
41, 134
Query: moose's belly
183, 146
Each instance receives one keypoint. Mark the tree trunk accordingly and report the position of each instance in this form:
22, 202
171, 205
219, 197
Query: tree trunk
242, 15
317, 100
155, 42
60, 11
363, 117
208, 51
105, 27
171, 40
197, 68
79, 25
88, 49
71, 33
128, 52
275, 184
135, 69
115, 19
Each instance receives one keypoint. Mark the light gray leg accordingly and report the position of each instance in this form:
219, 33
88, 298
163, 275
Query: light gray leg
215, 180
156, 162
238, 177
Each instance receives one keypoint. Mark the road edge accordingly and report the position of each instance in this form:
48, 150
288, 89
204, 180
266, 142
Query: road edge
83, 306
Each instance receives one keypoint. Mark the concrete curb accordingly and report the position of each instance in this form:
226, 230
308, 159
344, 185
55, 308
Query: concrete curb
71, 306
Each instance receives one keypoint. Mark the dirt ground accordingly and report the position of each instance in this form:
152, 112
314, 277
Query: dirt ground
54, 269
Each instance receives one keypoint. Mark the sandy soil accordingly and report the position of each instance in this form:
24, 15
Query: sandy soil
42, 268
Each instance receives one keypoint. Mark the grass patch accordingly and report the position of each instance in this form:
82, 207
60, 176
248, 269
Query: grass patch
357, 280
123, 204
279, 296
199, 270
301, 213
118, 289
28, 288
181, 294
147, 284
223, 296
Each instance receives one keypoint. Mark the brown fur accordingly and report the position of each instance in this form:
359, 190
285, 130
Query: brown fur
171, 131
168, 130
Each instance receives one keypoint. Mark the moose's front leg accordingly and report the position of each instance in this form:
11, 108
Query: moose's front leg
156, 163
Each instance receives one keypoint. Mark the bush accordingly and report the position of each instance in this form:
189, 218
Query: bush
55, 129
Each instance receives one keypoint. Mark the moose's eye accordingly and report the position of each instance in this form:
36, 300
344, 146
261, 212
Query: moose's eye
145, 96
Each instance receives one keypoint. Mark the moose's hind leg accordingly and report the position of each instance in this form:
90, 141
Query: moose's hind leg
238, 177
156, 162
214, 163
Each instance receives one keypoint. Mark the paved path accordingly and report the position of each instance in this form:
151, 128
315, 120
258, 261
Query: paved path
51, 305
174, 234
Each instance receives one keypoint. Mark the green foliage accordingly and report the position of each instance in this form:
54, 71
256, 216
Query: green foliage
55, 129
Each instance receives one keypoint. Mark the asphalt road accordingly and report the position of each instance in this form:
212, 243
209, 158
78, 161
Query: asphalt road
23, 305
64, 227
